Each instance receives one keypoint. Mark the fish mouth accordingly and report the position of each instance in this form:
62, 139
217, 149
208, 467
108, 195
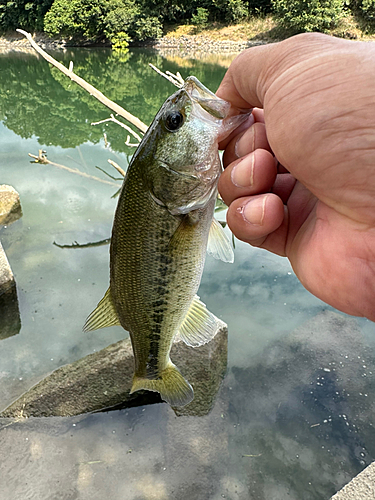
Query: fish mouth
216, 107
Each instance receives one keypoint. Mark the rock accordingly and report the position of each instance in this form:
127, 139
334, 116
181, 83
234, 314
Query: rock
205, 369
10, 206
10, 323
6, 275
198, 45
102, 380
362, 487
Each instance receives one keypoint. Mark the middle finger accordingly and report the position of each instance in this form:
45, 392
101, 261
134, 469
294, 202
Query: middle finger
253, 138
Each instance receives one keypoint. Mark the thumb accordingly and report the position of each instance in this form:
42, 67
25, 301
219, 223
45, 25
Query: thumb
253, 72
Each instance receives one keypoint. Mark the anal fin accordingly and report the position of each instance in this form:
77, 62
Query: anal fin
199, 325
103, 315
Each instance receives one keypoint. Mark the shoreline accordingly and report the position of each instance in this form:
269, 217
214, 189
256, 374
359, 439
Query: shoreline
186, 45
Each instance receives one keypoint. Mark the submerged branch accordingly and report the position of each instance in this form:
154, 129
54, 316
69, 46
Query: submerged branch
42, 158
109, 175
89, 88
75, 244
117, 167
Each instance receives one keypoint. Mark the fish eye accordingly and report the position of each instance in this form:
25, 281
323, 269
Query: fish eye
174, 120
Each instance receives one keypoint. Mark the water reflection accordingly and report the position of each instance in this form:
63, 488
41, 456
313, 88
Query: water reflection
38, 100
313, 399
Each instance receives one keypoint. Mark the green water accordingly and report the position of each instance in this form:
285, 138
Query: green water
293, 418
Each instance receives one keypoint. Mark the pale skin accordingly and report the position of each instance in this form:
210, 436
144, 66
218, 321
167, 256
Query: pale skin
300, 174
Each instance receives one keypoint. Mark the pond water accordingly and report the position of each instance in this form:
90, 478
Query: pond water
294, 415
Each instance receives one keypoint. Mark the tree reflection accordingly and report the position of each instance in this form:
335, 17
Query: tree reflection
37, 100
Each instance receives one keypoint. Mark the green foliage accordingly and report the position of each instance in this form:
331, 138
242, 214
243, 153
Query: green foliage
368, 10
200, 18
120, 41
95, 20
147, 27
23, 14
308, 15
120, 17
364, 10
83, 18
260, 6
232, 10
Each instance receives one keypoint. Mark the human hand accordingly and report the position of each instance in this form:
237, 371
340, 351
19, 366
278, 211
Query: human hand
316, 204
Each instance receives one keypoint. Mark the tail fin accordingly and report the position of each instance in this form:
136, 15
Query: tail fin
172, 386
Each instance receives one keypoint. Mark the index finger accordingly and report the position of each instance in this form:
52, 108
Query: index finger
240, 83
256, 115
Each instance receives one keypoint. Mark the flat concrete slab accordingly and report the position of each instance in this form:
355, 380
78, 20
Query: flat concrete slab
362, 487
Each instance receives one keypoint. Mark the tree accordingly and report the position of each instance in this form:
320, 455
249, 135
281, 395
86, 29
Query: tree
23, 14
96, 20
308, 15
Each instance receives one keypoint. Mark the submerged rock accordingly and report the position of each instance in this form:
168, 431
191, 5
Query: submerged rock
102, 381
10, 206
10, 322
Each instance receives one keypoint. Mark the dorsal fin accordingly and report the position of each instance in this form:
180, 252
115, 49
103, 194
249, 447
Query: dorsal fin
103, 315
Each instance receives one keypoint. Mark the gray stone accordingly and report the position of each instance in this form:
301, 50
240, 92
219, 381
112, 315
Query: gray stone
205, 368
6, 275
10, 322
102, 380
10, 206
362, 487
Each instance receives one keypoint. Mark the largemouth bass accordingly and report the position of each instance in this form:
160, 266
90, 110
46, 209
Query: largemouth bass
159, 239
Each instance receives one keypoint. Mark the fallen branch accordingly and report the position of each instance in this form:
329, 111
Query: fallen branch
117, 167
42, 158
176, 79
131, 144
114, 120
89, 88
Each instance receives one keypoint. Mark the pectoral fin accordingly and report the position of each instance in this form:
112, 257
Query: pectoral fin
199, 325
104, 315
219, 245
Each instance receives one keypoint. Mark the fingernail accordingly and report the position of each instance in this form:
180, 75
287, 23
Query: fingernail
241, 147
242, 174
253, 211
